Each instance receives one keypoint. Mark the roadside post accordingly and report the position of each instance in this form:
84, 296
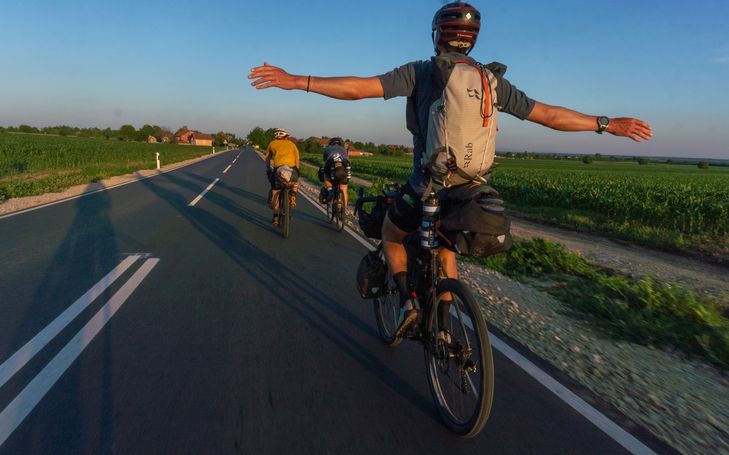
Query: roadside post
157, 153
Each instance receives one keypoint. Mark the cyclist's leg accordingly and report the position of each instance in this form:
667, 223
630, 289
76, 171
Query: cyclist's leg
345, 192
402, 217
450, 267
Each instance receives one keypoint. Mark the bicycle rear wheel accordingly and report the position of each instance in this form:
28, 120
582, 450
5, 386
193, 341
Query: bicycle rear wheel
285, 213
387, 311
338, 212
460, 372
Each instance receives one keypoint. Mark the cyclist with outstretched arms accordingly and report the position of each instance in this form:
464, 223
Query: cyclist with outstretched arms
281, 152
455, 28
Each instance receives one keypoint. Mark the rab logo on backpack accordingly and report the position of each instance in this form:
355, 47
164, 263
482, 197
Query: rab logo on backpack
461, 138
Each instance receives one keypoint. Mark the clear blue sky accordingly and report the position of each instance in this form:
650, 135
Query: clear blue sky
102, 63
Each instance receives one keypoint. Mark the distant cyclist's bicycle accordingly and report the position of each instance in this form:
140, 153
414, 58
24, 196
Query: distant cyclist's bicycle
284, 211
451, 328
335, 207
284, 182
339, 173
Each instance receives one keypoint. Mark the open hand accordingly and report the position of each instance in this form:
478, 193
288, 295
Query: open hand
635, 129
270, 76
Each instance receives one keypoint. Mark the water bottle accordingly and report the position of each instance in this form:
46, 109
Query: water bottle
431, 210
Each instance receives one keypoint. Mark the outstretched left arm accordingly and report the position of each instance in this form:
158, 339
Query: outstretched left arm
563, 119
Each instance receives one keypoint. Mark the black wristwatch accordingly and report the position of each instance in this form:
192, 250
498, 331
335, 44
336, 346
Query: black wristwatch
602, 124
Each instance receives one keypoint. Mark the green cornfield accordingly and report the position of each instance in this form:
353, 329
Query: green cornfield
666, 205
684, 199
36, 164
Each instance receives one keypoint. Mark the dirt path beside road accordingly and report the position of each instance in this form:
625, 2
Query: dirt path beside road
632, 259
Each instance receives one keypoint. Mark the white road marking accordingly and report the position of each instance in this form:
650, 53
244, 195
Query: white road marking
356, 236
14, 414
200, 196
615, 431
226, 169
236, 159
38, 342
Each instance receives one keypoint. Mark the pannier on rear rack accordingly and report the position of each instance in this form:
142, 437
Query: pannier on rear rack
371, 222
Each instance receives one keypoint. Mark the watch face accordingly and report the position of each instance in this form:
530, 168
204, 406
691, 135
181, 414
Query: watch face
603, 121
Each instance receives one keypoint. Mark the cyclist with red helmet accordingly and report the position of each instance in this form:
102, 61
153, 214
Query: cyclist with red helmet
455, 29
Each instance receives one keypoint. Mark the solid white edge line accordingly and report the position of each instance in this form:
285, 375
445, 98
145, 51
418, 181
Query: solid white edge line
14, 414
71, 198
615, 431
18, 360
201, 195
226, 169
356, 236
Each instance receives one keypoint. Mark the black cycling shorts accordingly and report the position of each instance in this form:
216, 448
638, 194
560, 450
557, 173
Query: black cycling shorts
406, 210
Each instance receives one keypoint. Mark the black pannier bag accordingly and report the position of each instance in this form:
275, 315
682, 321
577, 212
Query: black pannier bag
371, 275
371, 222
474, 222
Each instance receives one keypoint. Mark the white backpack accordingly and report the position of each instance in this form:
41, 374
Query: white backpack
462, 126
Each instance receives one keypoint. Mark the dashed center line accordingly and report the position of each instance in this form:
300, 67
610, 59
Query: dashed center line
226, 169
201, 195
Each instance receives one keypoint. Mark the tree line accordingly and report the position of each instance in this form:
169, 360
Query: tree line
125, 133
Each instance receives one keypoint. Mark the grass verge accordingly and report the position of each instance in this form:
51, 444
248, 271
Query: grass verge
641, 310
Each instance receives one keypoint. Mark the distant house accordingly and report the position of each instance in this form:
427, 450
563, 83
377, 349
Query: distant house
165, 137
353, 150
152, 140
192, 137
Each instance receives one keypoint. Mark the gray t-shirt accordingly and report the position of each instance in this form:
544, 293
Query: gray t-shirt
331, 150
415, 80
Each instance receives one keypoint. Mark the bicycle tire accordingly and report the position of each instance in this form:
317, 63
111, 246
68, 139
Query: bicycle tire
449, 393
387, 312
285, 216
339, 214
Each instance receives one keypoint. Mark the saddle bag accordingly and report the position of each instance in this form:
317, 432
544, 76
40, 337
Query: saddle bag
474, 224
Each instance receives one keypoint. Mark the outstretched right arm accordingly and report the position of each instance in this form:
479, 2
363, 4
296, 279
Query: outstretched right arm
343, 88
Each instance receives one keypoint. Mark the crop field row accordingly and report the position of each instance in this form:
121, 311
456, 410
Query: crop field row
35, 164
675, 206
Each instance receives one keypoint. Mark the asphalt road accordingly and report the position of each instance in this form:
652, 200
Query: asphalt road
216, 335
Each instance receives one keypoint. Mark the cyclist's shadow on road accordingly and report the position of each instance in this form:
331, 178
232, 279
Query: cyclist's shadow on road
312, 305
89, 249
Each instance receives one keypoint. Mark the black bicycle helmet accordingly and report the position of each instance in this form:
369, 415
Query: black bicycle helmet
456, 25
336, 141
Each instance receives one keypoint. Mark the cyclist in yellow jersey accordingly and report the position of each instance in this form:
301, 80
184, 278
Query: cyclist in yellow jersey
281, 152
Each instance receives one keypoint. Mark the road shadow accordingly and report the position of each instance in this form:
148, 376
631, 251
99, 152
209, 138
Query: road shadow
311, 305
88, 249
